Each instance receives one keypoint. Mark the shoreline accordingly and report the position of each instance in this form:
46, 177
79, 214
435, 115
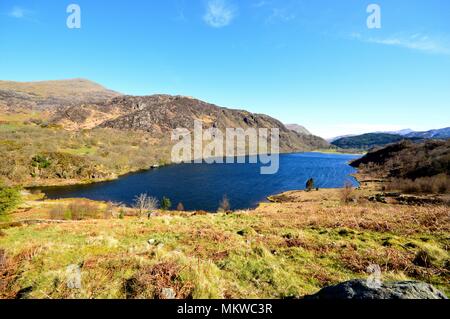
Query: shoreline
53, 183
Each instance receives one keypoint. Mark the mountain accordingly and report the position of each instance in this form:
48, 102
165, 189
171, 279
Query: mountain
82, 104
407, 160
48, 95
400, 132
443, 133
160, 114
330, 140
298, 128
367, 141
408, 133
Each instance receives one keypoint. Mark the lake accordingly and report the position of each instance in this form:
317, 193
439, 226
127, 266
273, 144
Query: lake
202, 186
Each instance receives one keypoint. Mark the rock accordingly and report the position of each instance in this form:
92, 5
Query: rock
358, 289
168, 293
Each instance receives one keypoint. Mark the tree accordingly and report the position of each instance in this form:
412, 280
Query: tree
166, 203
145, 204
180, 207
224, 205
9, 199
310, 185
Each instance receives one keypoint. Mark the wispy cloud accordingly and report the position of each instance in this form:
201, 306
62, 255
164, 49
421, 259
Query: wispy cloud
219, 13
280, 14
260, 4
417, 41
18, 12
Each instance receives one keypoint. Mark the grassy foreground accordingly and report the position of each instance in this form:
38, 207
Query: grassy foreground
293, 246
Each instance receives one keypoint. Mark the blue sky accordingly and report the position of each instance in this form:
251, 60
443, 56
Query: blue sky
312, 62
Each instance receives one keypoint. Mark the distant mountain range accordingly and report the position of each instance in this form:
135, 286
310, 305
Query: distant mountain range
82, 104
371, 140
367, 141
400, 132
443, 133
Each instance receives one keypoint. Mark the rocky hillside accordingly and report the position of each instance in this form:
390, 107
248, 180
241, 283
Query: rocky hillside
160, 114
25, 96
298, 128
368, 141
81, 104
408, 160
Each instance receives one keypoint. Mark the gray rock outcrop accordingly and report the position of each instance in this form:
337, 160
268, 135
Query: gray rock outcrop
359, 289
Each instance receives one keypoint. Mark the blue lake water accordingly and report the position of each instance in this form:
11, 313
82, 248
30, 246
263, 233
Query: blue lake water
202, 186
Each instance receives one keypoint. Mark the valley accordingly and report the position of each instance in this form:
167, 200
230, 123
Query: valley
290, 245
94, 134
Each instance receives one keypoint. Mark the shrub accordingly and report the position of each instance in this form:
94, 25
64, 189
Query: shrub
224, 205
442, 184
347, 193
439, 184
109, 212
154, 282
145, 204
310, 185
40, 162
58, 212
9, 199
166, 203
80, 210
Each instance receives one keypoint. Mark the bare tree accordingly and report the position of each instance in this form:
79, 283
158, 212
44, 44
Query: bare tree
145, 204
224, 205
180, 207
347, 193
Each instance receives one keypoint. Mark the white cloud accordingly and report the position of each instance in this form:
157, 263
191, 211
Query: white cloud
17, 12
416, 41
219, 13
283, 15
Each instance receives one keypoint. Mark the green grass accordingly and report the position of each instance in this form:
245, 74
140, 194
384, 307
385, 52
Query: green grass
83, 150
215, 256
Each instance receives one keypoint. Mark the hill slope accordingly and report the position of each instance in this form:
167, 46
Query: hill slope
160, 114
81, 104
367, 141
20, 96
408, 160
298, 128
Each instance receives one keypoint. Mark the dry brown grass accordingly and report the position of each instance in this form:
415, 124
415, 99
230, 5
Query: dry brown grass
151, 281
403, 220
57, 212
80, 210
307, 241
10, 268
347, 193
439, 184
7, 276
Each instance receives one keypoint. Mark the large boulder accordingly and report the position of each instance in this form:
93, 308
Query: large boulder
359, 289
